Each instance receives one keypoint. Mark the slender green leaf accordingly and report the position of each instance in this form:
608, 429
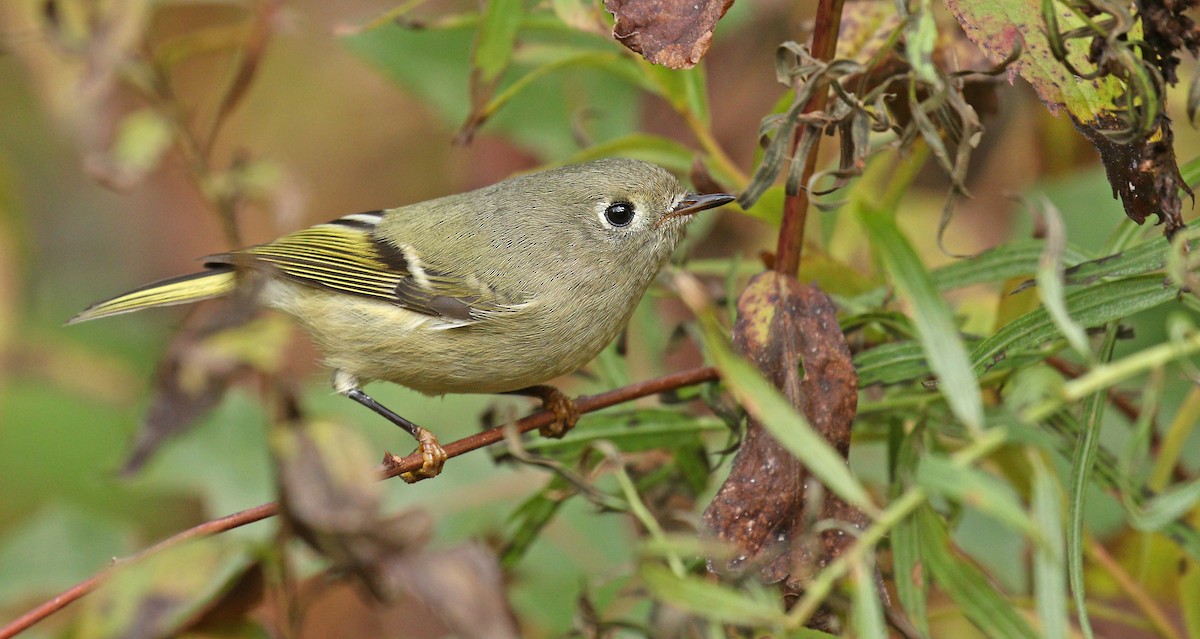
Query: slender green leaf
1093, 306
890, 363
935, 326
533, 515
1049, 562
708, 599
1050, 284
1082, 463
497, 36
1151, 515
965, 584
684, 89
1146, 257
974, 488
1004, 262
867, 609
606, 61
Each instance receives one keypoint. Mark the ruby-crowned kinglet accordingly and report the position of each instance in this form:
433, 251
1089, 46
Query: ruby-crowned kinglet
492, 291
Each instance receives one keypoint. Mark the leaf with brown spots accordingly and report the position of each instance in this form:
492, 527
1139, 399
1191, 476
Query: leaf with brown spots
768, 503
673, 33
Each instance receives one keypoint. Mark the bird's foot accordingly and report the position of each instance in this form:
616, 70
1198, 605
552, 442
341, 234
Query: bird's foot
433, 457
566, 413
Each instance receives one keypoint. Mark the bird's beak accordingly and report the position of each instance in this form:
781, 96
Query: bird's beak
695, 203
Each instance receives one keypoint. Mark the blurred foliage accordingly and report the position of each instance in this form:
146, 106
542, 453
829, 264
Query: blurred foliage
1025, 413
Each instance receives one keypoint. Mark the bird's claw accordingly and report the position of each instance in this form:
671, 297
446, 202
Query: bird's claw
433, 458
566, 413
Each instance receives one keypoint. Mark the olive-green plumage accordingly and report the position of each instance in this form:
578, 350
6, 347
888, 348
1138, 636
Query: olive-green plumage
488, 291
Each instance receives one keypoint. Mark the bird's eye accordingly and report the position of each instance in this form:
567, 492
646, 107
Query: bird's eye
619, 213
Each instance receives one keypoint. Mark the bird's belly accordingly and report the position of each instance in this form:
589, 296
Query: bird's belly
378, 341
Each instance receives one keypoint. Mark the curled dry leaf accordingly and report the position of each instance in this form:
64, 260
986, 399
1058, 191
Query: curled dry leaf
673, 33
791, 333
331, 497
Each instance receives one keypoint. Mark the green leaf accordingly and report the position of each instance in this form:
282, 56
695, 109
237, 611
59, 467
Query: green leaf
611, 62
1050, 283
158, 595
976, 489
1004, 262
531, 517
890, 363
912, 581
867, 609
1083, 462
142, 138
684, 89
1153, 514
965, 584
708, 599
497, 36
1092, 306
935, 326
991, 23
1049, 562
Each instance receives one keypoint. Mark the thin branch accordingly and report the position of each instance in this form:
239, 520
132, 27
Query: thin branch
586, 404
795, 205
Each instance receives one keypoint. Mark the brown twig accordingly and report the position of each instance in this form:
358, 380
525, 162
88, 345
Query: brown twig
795, 205
488, 437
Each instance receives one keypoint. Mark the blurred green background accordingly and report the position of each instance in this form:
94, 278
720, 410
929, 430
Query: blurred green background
335, 124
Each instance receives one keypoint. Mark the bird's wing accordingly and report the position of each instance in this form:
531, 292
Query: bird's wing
345, 256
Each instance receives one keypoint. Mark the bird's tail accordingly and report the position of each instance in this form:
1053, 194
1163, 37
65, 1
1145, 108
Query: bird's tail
214, 282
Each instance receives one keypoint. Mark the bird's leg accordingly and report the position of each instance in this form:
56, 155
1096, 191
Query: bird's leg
566, 413
432, 454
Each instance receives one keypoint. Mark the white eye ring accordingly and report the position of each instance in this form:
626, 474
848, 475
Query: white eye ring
618, 214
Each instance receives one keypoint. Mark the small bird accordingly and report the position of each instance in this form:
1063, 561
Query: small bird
495, 290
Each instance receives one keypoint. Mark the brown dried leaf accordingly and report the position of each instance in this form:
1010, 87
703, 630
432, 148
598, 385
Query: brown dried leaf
673, 33
791, 333
1143, 171
330, 495
463, 584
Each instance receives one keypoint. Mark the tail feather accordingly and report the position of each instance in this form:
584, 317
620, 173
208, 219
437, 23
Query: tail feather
213, 282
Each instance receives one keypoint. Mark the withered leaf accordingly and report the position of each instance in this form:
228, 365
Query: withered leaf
1143, 171
464, 585
331, 498
673, 33
791, 333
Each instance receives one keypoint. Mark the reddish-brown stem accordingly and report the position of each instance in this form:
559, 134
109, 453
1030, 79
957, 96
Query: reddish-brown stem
795, 205
488, 437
